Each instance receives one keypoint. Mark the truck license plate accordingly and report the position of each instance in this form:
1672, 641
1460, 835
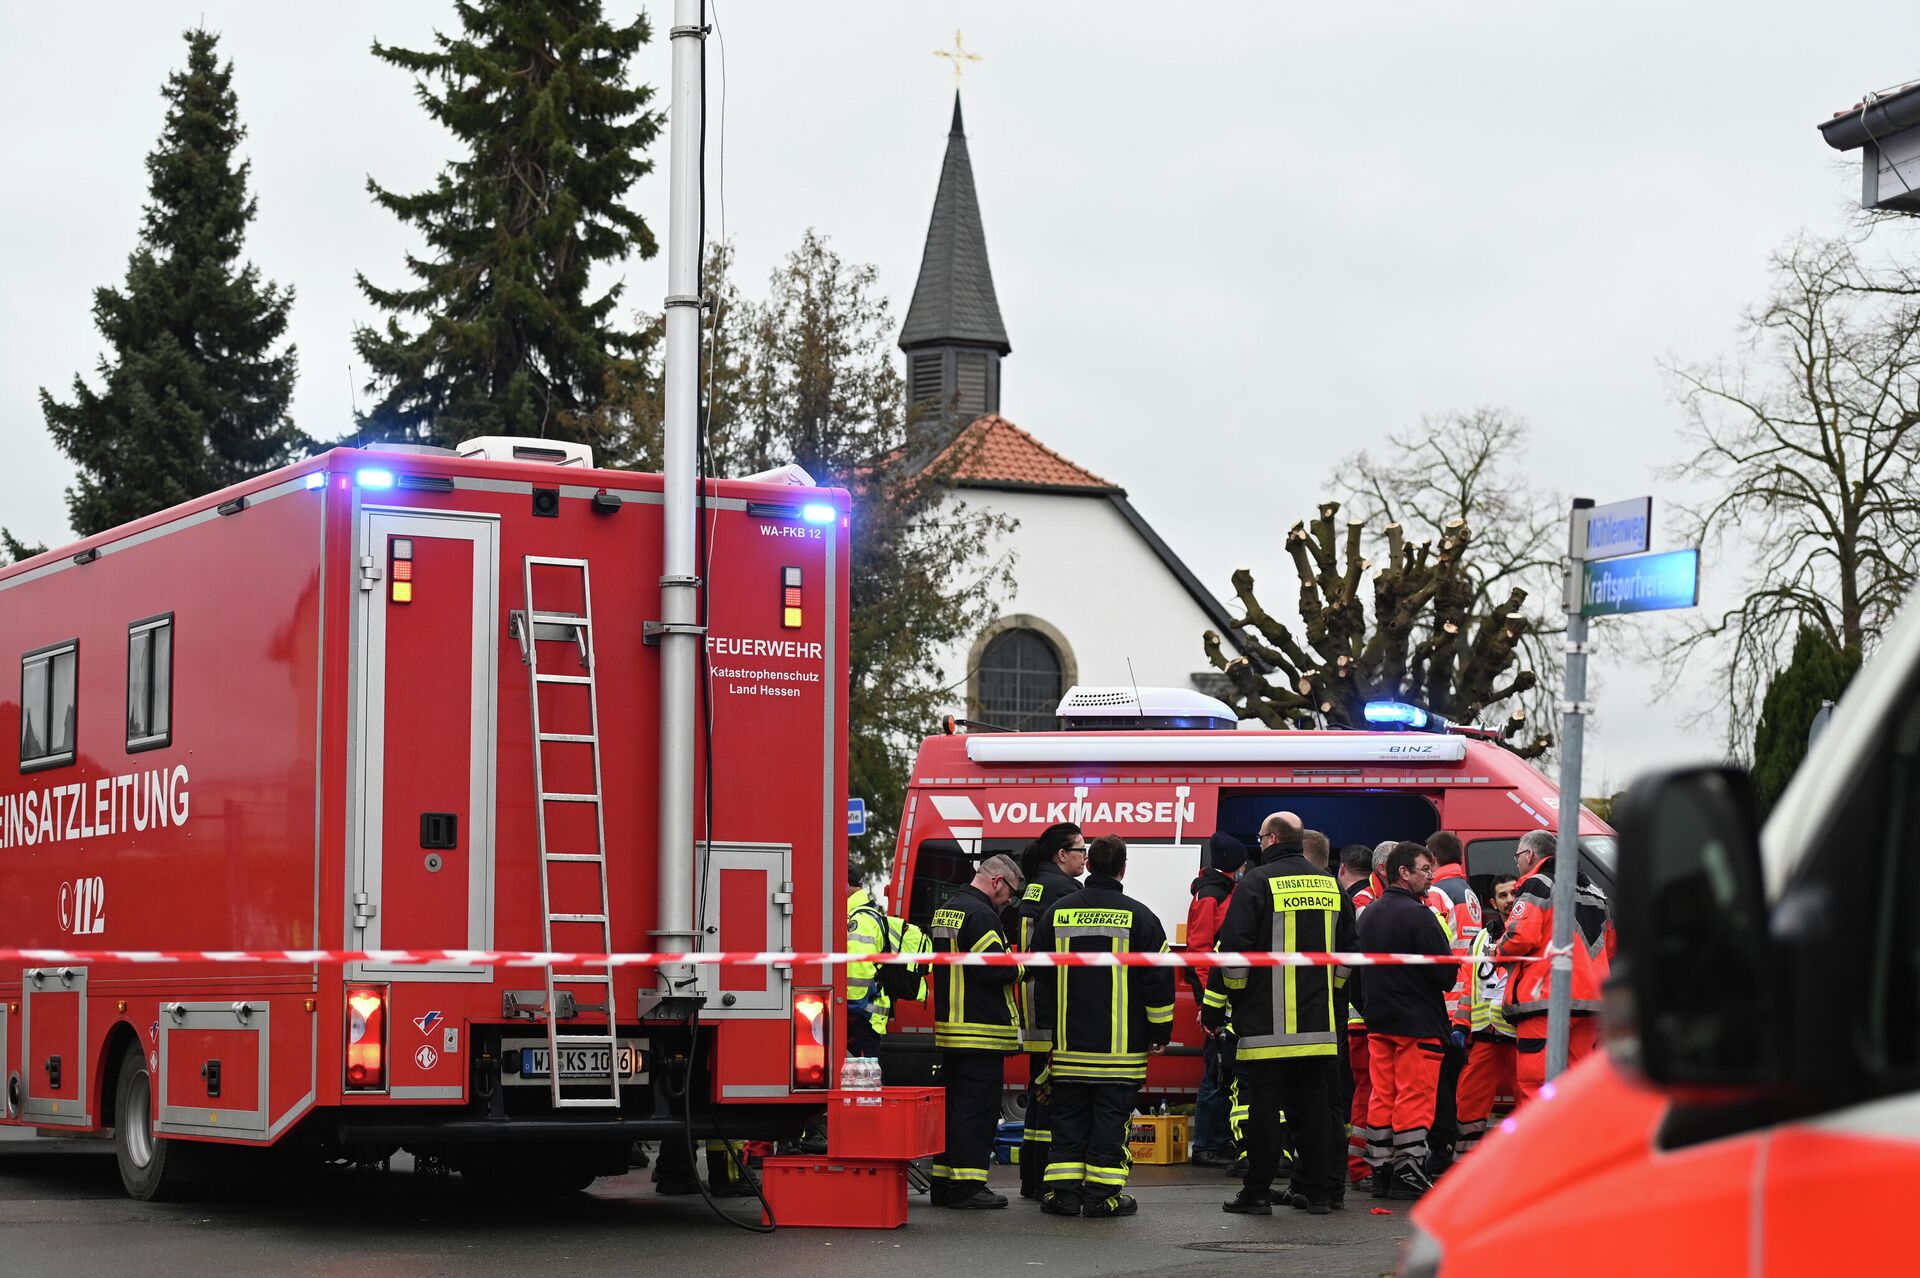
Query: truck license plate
578, 1062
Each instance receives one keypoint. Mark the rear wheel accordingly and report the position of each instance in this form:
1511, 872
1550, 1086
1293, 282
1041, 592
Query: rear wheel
152, 1168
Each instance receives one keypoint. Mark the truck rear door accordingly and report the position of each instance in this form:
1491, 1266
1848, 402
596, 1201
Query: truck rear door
425, 734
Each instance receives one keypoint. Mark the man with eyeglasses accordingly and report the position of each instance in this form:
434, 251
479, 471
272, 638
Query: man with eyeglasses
975, 1025
1406, 1010
1052, 864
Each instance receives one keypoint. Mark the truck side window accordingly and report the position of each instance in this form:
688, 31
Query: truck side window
150, 683
48, 689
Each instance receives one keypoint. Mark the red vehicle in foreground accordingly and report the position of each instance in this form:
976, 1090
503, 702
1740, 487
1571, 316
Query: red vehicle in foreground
392, 700
1165, 768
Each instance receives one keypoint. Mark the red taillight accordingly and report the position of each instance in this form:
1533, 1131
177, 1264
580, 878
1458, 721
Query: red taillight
366, 1039
810, 1038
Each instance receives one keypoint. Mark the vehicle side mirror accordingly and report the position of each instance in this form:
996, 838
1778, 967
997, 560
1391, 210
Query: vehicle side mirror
1692, 1001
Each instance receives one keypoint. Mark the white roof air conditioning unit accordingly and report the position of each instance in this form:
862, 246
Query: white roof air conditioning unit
1113, 709
791, 475
514, 448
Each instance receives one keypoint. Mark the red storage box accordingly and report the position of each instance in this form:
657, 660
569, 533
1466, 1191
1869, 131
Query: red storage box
835, 1193
888, 1123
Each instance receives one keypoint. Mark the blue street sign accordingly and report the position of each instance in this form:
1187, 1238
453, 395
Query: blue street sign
1641, 583
856, 816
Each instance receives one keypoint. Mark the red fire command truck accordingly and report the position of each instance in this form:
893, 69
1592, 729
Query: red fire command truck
1164, 768
401, 700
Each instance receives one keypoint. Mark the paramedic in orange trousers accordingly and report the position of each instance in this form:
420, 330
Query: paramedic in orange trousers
1489, 1072
1529, 932
1406, 1012
1463, 930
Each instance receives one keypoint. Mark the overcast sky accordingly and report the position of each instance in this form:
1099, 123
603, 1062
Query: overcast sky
1230, 243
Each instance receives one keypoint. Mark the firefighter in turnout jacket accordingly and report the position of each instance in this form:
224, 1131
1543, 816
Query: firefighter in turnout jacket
1105, 1022
1529, 933
1287, 1018
1052, 864
975, 1025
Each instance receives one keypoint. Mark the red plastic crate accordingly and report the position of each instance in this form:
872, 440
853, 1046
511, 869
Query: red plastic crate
835, 1193
887, 1123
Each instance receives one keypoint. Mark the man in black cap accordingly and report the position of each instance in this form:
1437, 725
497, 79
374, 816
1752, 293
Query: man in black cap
1225, 857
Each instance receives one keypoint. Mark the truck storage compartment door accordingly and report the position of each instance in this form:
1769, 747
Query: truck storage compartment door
53, 1038
213, 1069
427, 674
746, 896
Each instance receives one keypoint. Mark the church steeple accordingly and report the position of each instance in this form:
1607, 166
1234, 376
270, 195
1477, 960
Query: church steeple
953, 336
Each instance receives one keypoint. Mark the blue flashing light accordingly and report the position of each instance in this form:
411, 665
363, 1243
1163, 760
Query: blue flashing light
818, 512
1396, 712
371, 478
318, 479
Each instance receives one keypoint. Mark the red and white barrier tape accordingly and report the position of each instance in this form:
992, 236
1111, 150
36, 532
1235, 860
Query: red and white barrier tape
742, 958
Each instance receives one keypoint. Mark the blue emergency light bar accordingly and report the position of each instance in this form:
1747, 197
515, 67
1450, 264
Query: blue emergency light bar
1403, 715
818, 512
371, 478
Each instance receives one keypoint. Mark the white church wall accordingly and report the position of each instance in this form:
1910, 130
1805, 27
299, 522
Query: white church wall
1086, 573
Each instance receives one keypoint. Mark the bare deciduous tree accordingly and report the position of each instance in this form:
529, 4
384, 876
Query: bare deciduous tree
1470, 467
1809, 443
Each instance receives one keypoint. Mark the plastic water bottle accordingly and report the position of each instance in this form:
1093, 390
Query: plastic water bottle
850, 1074
870, 1075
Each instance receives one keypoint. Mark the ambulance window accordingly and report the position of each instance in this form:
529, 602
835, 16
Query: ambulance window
150, 683
48, 679
1020, 681
941, 866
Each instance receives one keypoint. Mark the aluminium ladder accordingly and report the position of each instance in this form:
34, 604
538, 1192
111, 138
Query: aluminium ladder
578, 628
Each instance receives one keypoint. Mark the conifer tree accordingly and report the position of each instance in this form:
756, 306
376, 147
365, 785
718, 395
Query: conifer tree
195, 394
508, 340
1818, 671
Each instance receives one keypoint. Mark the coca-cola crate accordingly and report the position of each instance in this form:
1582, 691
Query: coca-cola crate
888, 1122
835, 1193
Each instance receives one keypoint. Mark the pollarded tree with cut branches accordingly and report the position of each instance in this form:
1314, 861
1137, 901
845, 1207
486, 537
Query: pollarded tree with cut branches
1813, 462
1428, 641
1471, 465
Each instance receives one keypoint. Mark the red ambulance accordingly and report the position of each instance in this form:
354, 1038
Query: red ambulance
1164, 768
393, 700
1758, 1108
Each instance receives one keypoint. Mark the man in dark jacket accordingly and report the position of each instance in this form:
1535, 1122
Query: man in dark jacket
1226, 856
1406, 1010
1287, 1019
1053, 864
975, 1025
1105, 1022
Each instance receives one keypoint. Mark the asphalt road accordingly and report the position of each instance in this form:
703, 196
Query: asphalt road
63, 1214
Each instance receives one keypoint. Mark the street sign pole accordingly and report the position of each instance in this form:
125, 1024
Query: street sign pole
1573, 725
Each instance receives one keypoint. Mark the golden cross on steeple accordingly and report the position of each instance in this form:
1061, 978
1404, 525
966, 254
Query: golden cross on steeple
956, 55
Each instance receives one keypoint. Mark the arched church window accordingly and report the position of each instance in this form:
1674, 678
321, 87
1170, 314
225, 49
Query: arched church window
1020, 685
